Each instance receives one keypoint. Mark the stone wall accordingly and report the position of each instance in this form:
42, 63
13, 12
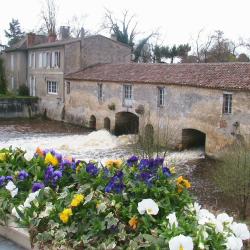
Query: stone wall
185, 108
100, 49
18, 107
17, 71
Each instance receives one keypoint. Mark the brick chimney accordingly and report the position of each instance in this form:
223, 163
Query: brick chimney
31, 37
51, 38
113, 37
64, 32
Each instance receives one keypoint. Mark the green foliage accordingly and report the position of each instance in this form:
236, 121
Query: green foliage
14, 34
3, 81
23, 90
166, 52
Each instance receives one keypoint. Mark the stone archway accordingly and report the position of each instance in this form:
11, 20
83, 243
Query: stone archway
193, 138
107, 123
92, 122
126, 123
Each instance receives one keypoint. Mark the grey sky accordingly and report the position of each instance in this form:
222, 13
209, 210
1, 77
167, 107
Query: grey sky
178, 20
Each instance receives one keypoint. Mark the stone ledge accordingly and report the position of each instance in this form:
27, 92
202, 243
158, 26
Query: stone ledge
18, 235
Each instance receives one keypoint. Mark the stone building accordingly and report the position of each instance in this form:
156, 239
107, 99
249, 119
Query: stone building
182, 104
41, 63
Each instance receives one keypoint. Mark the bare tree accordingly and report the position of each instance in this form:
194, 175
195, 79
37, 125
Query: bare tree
202, 47
77, 26
48, 14
125, 32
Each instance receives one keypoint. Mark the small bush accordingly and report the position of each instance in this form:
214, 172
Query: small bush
23, 90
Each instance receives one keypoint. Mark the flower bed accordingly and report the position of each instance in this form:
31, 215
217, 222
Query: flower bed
131, 204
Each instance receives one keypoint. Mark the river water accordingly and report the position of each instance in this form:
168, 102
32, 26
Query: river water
101, 145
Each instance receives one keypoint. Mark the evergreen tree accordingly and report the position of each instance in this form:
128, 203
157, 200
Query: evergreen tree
14, 33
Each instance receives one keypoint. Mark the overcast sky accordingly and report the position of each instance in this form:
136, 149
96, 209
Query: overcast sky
177, 20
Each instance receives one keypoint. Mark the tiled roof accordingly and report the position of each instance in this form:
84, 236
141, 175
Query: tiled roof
207, 75
72, 40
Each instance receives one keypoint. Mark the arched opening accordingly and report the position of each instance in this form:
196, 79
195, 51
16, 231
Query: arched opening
126, 123
192, 138
107, 123
92, 122
149, 135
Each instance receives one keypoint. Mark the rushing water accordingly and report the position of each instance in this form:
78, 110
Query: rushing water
75, 141
101, 145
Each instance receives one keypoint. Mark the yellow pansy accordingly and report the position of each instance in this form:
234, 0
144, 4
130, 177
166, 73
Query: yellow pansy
113, 163
172, 170
133, 222
65, 214
39, 152
78, 198
51, 159
78, 168
3, 156
182, 183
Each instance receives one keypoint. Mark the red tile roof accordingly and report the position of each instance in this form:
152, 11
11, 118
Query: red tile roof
207, 75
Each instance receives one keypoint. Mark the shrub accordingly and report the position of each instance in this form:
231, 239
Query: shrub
233, 175
23, 90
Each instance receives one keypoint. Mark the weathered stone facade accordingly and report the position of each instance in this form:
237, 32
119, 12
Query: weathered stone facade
185, 108
41, 64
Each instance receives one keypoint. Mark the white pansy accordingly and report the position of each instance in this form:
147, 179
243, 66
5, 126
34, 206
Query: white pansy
149, 206
172, 220
12, 188
31, 197
181, 242
204, 216
218, 226
46, 212
234, 243
240, 230
15, 213
224, 218
197, 207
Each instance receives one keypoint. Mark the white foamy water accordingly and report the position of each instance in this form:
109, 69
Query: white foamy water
99, 145
83, 146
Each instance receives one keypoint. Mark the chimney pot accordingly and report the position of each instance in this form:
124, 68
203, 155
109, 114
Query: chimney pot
51, 38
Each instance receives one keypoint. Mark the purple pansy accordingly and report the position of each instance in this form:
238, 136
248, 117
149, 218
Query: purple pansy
132, 160
36, 186
2, 180
92, 169
23, 175
116, 183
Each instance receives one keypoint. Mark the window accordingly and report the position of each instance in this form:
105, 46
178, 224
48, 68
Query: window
52, 87
32, 86
100, 91
161, 96
44, 60
127, 92
12, 62
40, 60
227, 103
68, 87
57, 59
32, 60
12, 82
127, 95
48, 59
